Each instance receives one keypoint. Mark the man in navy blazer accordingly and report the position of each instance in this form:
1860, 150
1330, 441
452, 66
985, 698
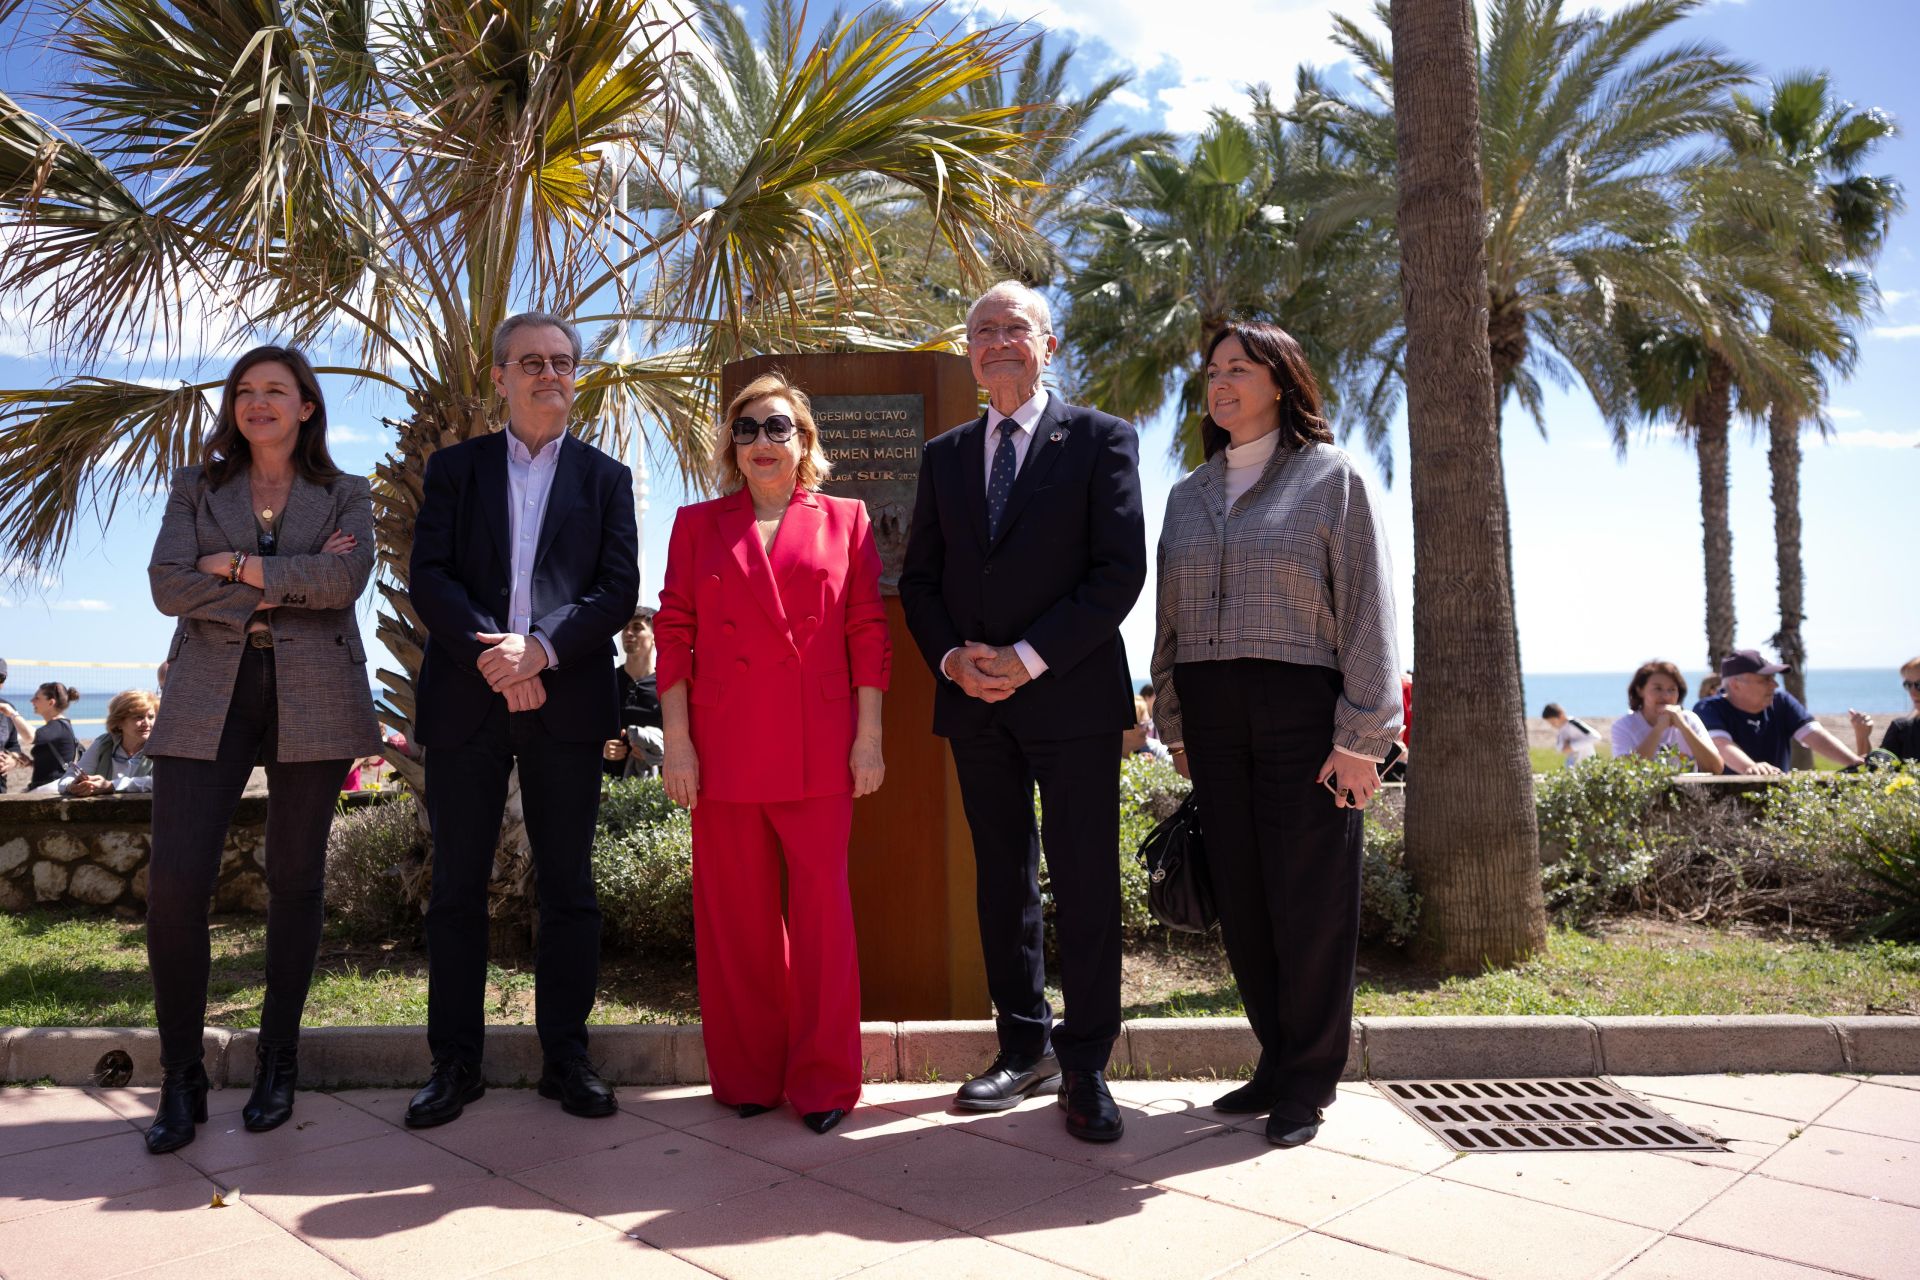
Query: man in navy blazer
525, 565
1026, 552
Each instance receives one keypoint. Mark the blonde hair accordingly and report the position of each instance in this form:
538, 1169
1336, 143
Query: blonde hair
813, 468
125, 706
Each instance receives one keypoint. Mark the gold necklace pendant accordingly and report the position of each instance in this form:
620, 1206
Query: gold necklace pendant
267, 514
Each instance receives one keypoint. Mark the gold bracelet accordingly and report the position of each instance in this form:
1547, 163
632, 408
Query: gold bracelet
234, 562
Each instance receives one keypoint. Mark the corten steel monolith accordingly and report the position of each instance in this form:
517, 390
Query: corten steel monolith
911, 860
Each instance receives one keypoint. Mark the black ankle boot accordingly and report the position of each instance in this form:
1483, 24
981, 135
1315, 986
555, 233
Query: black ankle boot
274, 1071
183, 1101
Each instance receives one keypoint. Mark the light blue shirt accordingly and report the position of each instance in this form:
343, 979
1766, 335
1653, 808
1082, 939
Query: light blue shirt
529, 483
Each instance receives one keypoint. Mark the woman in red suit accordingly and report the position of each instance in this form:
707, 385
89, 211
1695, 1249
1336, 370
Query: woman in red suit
773, 655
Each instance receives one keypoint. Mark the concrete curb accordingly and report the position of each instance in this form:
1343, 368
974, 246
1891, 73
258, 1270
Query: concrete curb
1380, 1049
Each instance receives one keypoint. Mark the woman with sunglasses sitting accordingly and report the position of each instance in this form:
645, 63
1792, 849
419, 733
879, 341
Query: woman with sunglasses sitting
772, 658
1278, 691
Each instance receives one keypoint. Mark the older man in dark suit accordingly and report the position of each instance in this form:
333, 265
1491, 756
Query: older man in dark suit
525, 564
1027, 550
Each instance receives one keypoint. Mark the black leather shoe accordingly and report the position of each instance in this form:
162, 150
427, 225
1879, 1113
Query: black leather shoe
183, 1102
1284, 1131
1247, 1100
579, 1088
822, 1121
748, 1110
1091, 1113
1010, 1078
444, 1096
275, 1067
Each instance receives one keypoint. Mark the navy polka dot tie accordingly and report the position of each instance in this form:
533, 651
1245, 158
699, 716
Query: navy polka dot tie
1000, 481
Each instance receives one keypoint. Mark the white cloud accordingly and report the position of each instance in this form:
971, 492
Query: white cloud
1843, 415
1876, 439
1894, 297
1130, 100
1897, 332
82, 606
349, 435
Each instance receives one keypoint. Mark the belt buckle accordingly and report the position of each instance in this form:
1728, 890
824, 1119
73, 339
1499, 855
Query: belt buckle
260, 639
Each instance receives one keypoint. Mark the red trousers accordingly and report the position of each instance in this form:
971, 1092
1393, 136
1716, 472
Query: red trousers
779, 998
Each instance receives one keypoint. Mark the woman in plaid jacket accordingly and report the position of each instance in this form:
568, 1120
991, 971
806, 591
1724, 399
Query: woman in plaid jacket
1278, 691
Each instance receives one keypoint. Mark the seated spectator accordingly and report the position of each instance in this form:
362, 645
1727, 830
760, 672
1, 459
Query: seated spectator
116, 761
1903, 735
1709, 688
1146, 692
16, 735
54, 746
1659, 723
1755, 722
1575, 740
160, 676
1139, 740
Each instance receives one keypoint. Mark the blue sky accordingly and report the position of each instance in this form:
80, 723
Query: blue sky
1607, 551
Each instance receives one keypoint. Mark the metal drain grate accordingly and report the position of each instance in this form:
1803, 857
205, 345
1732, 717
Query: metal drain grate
1540, 1115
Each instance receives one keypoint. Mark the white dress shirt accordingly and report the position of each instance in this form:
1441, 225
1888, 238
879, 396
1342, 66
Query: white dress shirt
529, 482
1026, 418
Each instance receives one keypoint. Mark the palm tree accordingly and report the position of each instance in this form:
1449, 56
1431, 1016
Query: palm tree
1472, 841
383, 184
1821, 145
1219, 234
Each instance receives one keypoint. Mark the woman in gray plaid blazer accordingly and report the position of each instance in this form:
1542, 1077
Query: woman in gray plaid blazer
1277, 689
262, 553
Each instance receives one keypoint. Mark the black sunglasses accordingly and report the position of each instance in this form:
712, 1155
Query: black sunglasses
1913, 685
778, 426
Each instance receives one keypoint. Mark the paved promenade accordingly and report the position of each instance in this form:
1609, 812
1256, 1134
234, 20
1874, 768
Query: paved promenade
1823, 1178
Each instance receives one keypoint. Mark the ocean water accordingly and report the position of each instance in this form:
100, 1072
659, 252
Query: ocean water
1830, 691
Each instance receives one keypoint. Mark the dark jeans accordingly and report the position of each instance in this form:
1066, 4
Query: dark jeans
1285, 862
1080, 808
466, 798
193, 803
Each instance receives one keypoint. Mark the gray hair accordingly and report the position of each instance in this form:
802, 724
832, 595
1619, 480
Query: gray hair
1023, 296
504, 331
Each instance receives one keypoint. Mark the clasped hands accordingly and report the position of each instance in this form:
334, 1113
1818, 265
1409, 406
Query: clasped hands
988, 672
511, 665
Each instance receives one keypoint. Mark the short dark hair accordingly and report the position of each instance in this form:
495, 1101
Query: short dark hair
1646, 672
226, 453
60, 695
1303, 415
1551, 710
642, 613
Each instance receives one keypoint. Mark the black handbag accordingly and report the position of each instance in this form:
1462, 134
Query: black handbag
1179, 890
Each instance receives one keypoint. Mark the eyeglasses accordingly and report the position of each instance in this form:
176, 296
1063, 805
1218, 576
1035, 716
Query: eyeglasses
778, 426
534, 366
1911, 686
988, 334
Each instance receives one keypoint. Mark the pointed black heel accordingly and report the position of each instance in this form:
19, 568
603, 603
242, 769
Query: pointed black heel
276, 1068
183, 1103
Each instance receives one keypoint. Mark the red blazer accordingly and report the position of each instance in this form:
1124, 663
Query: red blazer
774, 647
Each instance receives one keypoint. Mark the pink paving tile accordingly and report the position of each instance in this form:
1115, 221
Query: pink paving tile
953, 1177
1874, 1108
137, 1104
1677, 1259
223, 1143
1645, 1189
54, 1177
518, 1129
779, 1137
1373, 1129
1148, 1133
390, 1105
799, 1230
1317, 1257
966, 1258
1792, 1097
1860, 1164
105, 1238
1812, 1226
1244, 1170
668, 1173
281, 1257
617, 1259
443, 1232
679, 1106
394, 1164
1486, 1234
1896, 1082
1749, 1136
34, 1118
1122, 1229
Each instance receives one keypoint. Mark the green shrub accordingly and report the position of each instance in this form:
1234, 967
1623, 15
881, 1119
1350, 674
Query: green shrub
1868, 824
370, 853
643, 869
1389, 905
1600, 830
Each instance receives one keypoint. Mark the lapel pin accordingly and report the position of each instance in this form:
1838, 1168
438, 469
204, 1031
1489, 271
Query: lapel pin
1057, 437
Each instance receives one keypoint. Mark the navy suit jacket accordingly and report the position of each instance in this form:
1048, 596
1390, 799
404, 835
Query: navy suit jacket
1070, 561
586, 580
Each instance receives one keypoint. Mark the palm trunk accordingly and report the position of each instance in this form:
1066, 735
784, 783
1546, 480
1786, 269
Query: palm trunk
1472, 843
1783, 460
1507, 347
1713, 412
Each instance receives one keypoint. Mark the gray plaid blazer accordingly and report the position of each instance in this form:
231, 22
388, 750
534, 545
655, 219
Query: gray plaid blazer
1298, 572
320, 664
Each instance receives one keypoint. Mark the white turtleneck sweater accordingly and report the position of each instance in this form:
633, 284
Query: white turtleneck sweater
1245, 462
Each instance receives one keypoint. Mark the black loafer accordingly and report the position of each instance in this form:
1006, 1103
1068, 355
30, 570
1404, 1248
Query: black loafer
1011, 1078
578, 1087
1285, 1131
822, 1121
748, 1110
1247, 1100
446, 1094
1091, 1113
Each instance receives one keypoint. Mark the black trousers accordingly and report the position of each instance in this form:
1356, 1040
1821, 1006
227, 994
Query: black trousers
1080, 808
193, 803
1285, 862
466, 798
